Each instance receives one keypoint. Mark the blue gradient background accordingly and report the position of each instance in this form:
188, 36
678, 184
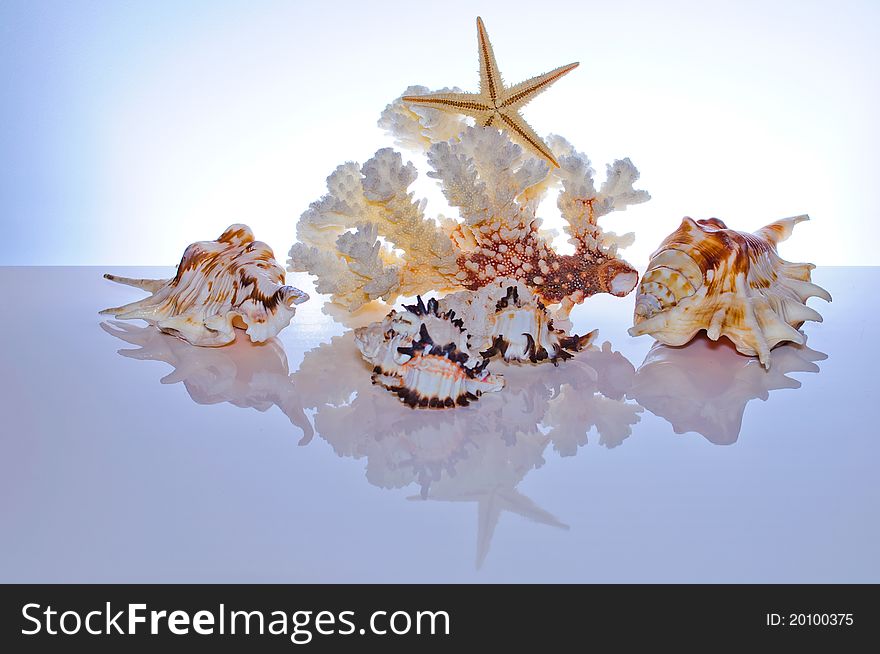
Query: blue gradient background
129, 129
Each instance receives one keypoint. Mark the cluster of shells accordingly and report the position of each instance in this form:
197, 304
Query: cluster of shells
436, 354
704, 277
500, 280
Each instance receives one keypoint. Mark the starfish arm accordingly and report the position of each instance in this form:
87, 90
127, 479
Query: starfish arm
469, 104
517, 96
488, 513
491, 86
515, 502
522, 133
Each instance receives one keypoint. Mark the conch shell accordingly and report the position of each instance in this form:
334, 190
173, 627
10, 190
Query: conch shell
422, 355
506, 317
705, 276
231, 282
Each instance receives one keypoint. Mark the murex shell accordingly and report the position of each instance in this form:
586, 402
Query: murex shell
231, 282
422, 355
435, 355
507, 317
705, 276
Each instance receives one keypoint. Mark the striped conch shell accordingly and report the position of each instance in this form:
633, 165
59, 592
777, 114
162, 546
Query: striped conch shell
231, 282
422, 355
705, 276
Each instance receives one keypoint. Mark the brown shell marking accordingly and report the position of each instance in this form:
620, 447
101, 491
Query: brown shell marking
436, 377
231, 282
705, 276
423, 372
543, 342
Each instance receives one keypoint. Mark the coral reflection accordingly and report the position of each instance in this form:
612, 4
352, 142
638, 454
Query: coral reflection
705, 386
476, 454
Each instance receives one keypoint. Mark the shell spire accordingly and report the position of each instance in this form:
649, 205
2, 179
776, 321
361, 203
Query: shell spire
705, 276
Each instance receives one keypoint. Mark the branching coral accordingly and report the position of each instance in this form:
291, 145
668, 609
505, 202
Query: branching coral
339, 236
368, 239
496, 188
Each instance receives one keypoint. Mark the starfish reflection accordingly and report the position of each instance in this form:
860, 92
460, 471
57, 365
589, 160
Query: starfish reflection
245, 374
476, 454
705, 386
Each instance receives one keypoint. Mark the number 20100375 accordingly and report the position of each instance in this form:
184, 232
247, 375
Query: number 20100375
809, 620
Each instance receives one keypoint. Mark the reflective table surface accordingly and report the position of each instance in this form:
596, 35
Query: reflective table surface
127, 455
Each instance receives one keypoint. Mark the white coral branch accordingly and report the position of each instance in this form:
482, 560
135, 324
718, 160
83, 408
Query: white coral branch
496, 187
581, 205
483, 173
416, 127
354, 272
618, 186
344, 228
364, 252
339, 210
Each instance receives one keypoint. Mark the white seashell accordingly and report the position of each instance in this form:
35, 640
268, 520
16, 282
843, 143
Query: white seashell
422, 354
705, 276
506, 317
231, 282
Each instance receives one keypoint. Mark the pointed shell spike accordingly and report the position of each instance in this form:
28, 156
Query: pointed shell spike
705, 276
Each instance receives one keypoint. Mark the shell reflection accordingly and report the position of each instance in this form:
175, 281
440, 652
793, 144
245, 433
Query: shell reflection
705, 386
478, 453
482, 452
244, 374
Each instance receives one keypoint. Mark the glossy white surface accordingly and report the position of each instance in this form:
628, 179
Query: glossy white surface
128, 455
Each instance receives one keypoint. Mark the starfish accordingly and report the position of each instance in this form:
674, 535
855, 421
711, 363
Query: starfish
497, 105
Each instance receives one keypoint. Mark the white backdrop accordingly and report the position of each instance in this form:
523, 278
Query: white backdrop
131, 129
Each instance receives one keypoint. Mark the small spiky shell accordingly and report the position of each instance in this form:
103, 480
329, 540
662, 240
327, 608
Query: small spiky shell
507, 318
705, 276
425, 371
231, 282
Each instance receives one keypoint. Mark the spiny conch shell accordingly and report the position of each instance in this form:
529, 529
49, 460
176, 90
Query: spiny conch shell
422, 355
706, 386
231, 282
506, 317
705, 276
